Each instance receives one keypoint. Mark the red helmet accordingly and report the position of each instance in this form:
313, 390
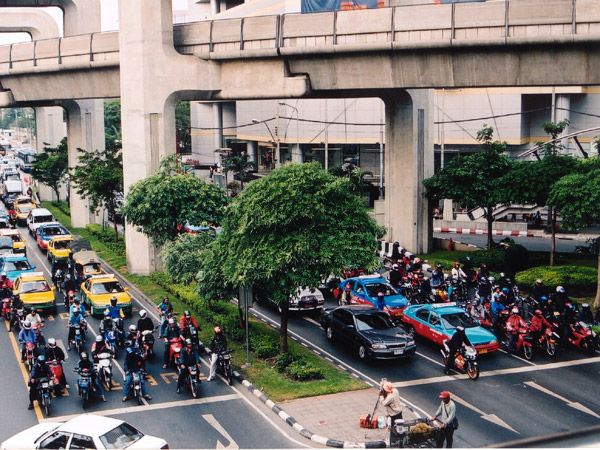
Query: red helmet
538, 312
71, 293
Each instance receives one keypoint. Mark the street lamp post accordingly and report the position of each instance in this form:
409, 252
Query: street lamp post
275, 140
297, 124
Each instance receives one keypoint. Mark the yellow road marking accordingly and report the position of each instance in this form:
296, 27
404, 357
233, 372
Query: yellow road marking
166, 376
151, 380
13, 342
50, 317
64, 315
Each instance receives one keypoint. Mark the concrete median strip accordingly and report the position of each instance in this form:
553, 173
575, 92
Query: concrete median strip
301, 429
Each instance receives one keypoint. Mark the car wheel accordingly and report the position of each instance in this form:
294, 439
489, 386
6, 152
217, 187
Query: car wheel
362, 352
329, 333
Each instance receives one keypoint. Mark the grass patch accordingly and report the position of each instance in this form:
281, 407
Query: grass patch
262, 373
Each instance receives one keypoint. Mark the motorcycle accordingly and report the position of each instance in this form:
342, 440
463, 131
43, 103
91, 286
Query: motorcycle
193, 380
465, 360
524, 341
549, 341
17, 317
104, 369
84, 385
175, 346
29, 349
110, 337
44, 387
581, 336
224, 365
136, 385
56, 369
147, 345
6, 308
77, 341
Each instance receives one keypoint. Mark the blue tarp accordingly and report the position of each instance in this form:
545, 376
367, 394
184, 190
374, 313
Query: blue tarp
309, 6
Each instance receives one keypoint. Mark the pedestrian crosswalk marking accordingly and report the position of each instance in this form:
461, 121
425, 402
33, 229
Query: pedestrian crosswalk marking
64, 315
167, 375
151, 380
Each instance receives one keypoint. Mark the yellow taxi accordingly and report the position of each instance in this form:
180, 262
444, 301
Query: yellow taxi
18, 242
58, 248
35, 291
97, 291
22, 206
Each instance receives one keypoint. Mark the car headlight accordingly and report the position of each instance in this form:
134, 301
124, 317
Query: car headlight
410, 343
378, 346
293, 301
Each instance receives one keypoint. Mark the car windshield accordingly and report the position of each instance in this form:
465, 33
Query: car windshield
24, 209
454, 320
378, 321
91, 268
5, 242
122, 436
61, 245
374, 288
35, 286
53, 231
106, 287
16, 238
9, 266
42, 219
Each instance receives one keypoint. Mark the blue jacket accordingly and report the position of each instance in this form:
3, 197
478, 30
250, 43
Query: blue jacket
81, 310
115, 312
75, 320
496, 308
27, 336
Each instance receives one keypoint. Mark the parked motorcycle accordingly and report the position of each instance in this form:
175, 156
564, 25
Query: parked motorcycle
44, 387
224, 365
465, 360
104, 369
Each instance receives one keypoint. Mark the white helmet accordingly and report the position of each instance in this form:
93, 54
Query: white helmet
51, 342
143, 313
132, 328
560, 289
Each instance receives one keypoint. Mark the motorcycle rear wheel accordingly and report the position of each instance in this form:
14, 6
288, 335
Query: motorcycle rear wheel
551, 348
528, 352
229, 375
46, 403
472, 371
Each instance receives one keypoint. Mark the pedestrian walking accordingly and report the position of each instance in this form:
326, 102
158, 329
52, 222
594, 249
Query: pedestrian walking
390, 400
446, 414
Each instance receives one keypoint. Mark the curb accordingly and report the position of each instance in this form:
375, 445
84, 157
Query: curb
299, 428
514, 233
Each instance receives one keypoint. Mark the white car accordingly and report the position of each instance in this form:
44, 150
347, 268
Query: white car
37, 217
84, 431
306, 299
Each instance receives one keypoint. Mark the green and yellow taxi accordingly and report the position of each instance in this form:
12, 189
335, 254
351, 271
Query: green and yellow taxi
18, 243
22, 206
58, 248
35, 291
97, 291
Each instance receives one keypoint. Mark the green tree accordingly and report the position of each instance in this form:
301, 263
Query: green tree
98, 177
183, 127
112, 123
51, 166
182, 256
553, 129
577, 197
291, 229
161, 204
532, 181
240, 166
475, 180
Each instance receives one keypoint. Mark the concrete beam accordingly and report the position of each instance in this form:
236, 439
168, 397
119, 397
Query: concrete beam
38, 24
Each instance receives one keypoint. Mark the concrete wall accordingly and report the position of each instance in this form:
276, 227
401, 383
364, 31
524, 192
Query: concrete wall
480, 225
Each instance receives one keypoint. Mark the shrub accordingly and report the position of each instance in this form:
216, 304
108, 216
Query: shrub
580, 279
265, 346
283, 361
303, 370
493, 258
182, 256
107, 237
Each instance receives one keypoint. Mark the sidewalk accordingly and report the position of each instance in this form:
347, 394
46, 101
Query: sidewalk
336, 416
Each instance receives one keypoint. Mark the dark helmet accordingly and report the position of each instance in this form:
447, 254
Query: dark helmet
113, 301
76, 300
128, 344
76, 311
438, 266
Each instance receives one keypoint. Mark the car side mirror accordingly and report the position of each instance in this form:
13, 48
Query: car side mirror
350, 326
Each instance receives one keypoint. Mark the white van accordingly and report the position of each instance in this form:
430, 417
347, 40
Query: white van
37, 217
13, 187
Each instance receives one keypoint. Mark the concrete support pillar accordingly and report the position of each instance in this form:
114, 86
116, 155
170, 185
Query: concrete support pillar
448, 213
296, 153
152, 74
563, 104
217, 108
252, 150
408, 160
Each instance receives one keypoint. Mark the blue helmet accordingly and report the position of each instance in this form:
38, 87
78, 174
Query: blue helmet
543, 299
505, 291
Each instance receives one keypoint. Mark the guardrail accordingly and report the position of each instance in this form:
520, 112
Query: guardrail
493, 22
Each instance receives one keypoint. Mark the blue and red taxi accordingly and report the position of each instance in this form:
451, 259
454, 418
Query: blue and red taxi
437, 322
48, 231
365, 289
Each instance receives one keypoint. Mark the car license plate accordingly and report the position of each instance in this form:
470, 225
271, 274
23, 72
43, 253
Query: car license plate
482, 351
399, 351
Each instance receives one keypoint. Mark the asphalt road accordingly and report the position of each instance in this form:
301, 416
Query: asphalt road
512, 399
537, 244
221, 418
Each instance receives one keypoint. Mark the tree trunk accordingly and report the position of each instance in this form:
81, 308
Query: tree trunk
57, 193
490, 221
553, 237
597, 299
283, 330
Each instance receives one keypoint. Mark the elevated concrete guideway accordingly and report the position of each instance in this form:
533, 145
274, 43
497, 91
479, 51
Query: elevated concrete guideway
396, 54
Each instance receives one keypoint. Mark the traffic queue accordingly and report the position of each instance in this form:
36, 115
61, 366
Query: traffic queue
81, 288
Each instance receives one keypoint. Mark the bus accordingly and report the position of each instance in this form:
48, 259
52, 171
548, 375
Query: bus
25, 157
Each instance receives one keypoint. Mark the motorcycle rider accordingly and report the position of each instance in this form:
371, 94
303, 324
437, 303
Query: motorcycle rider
458, 273
504, 281
437, 277
172, 331
477, 310
483, 272
5, 283
117, 315
217, 344
85, 364
484, 289
186, 320
58, 276
513, 324
144, 323
26, 335
560, 298
76, 304
76, 320
133, 335
39, 370
187, 358
538, 290
34, 318
504, 297
54, 352
538, 325
165, 309
452, 345
100, 346
380, 301
585, 314
395, 276
567, 319
346, 295
133, 363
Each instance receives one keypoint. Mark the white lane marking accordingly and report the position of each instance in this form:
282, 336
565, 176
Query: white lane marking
313, 321
489, 417
517, 357
429, 359
352, 369
217, 426
491, 373
155, 406
576, 405
61, 345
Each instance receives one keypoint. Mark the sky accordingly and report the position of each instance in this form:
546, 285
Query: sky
110, 19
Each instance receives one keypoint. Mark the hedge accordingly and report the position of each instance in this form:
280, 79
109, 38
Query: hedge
578, 279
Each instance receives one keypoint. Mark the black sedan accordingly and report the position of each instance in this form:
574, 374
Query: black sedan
369, 330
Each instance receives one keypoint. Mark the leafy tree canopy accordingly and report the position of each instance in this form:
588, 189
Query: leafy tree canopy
112, 122
51, 166
182, 256
162, 203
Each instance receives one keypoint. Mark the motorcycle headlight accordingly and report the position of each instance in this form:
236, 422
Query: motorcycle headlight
378, 346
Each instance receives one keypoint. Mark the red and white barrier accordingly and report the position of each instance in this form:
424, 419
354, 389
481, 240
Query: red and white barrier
514, 233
